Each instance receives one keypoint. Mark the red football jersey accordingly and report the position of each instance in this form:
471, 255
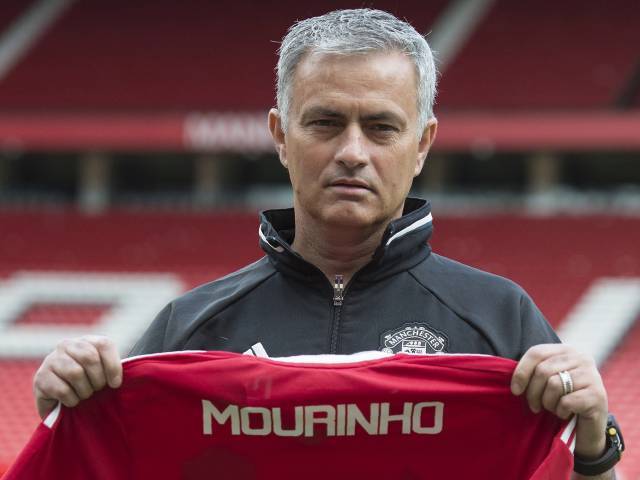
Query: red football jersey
220, 415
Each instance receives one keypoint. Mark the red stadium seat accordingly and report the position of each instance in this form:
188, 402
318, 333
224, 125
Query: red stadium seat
545, 55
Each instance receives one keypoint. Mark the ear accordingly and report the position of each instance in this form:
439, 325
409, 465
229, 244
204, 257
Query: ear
277, 133
428, 137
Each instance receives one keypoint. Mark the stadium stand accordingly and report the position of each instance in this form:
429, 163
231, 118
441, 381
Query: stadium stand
571, 55
147, 66
10, 10
62, 314
165, 55
17, 412
559, 61
128, 76
633, 91
169, 241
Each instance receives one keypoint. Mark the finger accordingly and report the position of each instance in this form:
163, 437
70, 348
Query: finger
86, 355
552, 394
573, 403
53, 389
45, 406
554, 390
588, 403
110, 359
42, 391
544, 373
70, 371
527, 364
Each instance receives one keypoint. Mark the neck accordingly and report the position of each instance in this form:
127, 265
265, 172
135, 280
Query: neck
336, 250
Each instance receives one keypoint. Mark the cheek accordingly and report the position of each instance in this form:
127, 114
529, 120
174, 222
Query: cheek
309, 162
302, 174
396, 168
407, 167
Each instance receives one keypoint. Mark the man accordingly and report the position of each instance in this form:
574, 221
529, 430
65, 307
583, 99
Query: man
349, 269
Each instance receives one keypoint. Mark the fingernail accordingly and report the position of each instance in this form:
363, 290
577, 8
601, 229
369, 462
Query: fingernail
117, 380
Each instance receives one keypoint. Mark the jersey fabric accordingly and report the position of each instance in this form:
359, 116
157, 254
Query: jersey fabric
197, 415
407, 299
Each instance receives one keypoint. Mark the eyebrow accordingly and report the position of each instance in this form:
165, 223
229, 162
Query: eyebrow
385, 115
321, 112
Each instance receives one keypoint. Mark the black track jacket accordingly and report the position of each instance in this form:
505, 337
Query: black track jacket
407, 299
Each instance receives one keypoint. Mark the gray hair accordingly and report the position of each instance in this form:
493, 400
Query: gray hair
353, 32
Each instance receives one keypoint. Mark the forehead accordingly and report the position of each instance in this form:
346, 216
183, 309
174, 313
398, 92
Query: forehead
385, 79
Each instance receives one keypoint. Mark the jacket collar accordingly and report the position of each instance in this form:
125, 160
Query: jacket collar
403, 244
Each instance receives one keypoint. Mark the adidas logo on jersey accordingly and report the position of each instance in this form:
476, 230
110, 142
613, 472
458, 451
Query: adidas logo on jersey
423, 418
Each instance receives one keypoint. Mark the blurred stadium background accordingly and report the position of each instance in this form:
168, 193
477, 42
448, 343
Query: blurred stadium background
134, 155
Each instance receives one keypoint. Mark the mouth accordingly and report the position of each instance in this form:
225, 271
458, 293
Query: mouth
350, 185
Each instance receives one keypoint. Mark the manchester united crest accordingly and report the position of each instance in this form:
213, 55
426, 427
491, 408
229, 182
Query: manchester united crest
415, 339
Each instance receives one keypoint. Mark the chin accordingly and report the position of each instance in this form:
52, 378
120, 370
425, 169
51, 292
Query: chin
350, 216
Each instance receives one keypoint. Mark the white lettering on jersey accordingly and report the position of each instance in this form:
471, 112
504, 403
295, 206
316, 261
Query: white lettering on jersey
209, 410
339, 420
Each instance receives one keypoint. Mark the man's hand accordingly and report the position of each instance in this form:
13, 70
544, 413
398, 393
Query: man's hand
74, 370
536, 375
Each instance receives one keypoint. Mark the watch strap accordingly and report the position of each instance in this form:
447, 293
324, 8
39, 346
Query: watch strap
612, 454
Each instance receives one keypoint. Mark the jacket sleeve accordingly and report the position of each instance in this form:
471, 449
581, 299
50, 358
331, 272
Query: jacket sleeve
153, 339
535, 328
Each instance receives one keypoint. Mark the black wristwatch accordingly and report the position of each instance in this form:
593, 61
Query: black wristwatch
611, 456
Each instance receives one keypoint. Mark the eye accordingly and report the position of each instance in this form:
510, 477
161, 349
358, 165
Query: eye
324, 122
383, 128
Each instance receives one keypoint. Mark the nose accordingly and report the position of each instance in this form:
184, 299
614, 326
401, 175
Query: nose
352, 151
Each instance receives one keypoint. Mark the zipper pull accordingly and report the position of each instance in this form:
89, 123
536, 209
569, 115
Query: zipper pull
338, 290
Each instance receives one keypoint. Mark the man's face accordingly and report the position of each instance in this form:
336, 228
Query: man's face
352, 146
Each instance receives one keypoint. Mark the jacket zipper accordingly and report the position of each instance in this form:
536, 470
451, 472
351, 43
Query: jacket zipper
338, 299
338, 290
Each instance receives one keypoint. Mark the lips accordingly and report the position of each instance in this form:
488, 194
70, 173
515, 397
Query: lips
354, 183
